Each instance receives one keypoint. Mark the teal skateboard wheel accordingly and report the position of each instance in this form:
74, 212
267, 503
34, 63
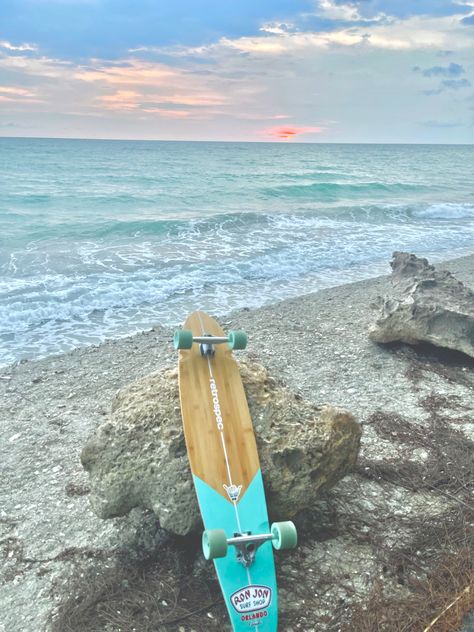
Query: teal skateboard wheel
183, 339
284, 535
214, 543
237, 339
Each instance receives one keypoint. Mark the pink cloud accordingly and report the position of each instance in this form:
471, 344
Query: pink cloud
177, 86
17, 95
287, 132
128, 100
146, 86
20, 92
121, 100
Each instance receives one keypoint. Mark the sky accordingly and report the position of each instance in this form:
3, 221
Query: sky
386, 71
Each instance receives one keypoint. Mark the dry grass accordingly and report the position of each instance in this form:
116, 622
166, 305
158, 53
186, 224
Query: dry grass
436, 570
453, 366
436, 604
139, 594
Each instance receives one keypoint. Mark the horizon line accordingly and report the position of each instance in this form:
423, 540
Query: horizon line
254, 142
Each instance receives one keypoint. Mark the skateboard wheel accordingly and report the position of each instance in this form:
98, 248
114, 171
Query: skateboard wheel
284, 535
183, 339
214, 543
237, 339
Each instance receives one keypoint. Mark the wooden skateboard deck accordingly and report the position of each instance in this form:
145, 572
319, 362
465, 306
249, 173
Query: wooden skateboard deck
226, 471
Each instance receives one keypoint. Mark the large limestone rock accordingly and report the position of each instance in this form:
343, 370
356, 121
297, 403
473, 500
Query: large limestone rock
426, 306
138, 456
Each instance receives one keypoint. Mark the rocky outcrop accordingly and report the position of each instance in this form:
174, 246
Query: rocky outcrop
426, 305
138, 458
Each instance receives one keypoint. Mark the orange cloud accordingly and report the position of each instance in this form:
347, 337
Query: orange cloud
20, 92
121, 100
287, 132
130, 100
182, 86
145, 86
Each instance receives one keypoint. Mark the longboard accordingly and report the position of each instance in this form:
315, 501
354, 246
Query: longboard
226, 472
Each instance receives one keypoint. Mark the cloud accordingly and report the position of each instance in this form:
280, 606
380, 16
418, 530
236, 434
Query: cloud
355, 12
128, 72
155, 84
331, 10
455, 84
121, 100
175, 114
36, 66
21, 92
288, 132
14, 94
21, 47
453, 70
448, 84
252, 116
130, 100
277, 28
468, 20
416, 32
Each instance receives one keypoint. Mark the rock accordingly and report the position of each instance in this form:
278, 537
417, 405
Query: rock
426, 306
138, 458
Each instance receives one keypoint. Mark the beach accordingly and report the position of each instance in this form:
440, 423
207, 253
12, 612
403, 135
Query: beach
317, 345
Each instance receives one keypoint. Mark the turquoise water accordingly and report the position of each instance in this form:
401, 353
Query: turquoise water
100, 239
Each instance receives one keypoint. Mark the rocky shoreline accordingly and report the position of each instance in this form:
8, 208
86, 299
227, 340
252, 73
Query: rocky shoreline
413, 479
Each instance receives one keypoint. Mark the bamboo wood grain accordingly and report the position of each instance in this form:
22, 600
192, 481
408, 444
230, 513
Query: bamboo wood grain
203, 437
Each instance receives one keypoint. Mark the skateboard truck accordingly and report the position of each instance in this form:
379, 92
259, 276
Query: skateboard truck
206, 344
246, 546
184, 339
215, 543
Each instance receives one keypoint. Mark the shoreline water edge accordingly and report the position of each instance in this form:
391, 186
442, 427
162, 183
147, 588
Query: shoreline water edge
101, 240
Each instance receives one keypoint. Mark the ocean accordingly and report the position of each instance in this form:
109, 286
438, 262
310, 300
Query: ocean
101, 239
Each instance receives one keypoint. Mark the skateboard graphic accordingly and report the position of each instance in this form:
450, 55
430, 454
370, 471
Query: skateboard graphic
226, 472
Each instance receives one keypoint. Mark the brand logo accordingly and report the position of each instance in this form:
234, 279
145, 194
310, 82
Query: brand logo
251, 598
233, 491
216, 405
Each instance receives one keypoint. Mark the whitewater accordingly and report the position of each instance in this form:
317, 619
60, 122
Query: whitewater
101, 239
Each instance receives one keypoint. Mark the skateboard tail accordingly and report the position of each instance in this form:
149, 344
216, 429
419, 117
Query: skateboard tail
250, 593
